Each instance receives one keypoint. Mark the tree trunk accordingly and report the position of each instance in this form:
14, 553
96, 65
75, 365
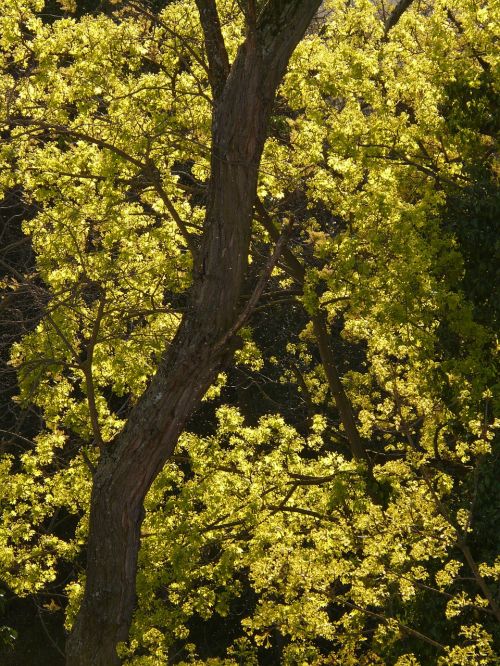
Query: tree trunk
128, 466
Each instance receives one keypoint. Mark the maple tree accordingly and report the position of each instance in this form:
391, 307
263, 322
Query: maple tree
224, 214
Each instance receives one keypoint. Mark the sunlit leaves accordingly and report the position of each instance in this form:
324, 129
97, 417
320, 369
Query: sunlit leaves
265, 521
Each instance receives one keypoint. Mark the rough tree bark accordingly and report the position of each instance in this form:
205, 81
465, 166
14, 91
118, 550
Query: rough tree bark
243, 98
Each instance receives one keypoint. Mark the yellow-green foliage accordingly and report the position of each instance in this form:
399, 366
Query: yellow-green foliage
266, 523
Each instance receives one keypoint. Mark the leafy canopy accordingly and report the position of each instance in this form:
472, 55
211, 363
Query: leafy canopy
263, 527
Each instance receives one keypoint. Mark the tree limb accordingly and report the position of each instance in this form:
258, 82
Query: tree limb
405, 628
395, 15
218, 60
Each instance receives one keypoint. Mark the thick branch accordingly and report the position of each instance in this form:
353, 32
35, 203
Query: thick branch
63, 130
218, 60
343, 403
335, 384
396, 14
280, 26
89, 376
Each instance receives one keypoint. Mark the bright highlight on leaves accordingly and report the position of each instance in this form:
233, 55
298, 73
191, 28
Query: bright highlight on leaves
262, 522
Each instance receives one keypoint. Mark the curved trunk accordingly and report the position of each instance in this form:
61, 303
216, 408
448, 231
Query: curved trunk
122, 479
128, 467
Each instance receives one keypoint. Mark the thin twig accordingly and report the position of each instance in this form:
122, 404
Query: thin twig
403, 627
257, 292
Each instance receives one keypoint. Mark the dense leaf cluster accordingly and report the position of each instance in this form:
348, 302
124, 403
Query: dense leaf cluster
334, 500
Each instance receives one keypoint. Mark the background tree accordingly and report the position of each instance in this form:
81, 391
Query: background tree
141, 160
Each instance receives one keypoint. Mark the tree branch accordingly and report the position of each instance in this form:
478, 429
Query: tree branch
146, 167
89, 377
218, 59
395, 15
337, 390
403, 627
259, 288
280, 26
296, 509
343, 403
75, 134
